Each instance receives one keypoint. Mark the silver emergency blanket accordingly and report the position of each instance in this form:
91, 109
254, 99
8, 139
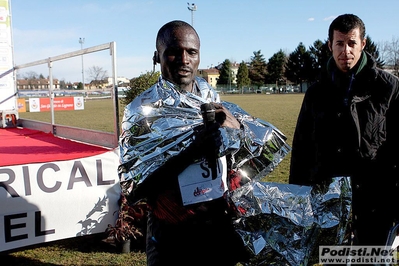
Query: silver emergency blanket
283, 224
161, 122
276, 219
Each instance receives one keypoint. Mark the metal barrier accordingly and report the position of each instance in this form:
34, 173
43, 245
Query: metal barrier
95, 137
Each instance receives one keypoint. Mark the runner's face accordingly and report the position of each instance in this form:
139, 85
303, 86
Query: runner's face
180, 56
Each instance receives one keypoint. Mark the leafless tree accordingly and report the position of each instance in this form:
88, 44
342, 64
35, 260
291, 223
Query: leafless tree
390, 54
30, 75
98, 76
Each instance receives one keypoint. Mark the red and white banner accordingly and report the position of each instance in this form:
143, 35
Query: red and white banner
42, 202
60, 103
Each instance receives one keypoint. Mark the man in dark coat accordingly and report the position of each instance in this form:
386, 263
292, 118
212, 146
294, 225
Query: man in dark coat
347, 126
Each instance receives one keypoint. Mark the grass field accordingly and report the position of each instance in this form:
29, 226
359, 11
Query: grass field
98, 114
280, 110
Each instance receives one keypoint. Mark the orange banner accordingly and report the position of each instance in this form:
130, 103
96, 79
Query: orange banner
21, 105
60, 103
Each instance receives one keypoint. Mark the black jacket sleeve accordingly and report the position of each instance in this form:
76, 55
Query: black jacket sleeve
303, 146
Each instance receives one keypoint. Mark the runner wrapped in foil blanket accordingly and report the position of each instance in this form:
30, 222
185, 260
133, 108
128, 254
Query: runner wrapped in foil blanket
161, 122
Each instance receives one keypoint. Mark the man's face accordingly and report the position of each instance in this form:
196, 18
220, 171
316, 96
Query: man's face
179, 57
346, 48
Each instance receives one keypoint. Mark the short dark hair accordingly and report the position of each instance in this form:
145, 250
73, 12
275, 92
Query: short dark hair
170, 27
345, 23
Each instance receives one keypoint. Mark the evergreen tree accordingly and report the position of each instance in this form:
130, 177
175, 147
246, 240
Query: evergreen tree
80, 86
372, 49
258, 69
243, 79
275, 67
225, 73
298, 68
320, 54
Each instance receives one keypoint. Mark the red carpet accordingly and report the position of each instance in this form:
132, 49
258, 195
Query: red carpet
24, 146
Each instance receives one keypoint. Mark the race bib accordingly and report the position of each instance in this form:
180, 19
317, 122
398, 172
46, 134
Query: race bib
197, 185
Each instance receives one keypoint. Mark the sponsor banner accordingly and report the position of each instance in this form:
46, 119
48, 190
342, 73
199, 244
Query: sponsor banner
60, 103
21, 105
348, 255
50, 201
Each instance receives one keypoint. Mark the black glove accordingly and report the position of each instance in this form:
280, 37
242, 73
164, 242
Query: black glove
220, 117
207, 143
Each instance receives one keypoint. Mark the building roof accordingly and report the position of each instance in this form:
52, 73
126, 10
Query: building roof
210, 71
35, 81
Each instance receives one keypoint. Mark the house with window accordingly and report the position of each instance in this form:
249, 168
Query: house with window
211, 75
36, 84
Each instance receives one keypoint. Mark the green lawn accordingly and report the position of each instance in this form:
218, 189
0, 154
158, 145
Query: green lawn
98, 114
280, 110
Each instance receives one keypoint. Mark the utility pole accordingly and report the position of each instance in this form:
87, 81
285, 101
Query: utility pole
192, 8
82, 41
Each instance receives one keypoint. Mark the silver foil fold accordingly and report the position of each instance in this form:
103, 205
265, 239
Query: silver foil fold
283, 224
